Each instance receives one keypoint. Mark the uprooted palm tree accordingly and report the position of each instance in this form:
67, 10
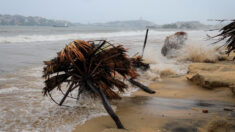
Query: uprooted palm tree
228, 34
94, 68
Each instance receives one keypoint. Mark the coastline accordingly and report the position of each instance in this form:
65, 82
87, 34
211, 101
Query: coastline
177, 105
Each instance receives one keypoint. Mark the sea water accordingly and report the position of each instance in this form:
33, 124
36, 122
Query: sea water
23, 50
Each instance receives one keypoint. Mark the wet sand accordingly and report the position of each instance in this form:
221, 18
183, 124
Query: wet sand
177, 106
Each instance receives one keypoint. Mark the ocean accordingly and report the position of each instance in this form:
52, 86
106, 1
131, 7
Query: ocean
23, 50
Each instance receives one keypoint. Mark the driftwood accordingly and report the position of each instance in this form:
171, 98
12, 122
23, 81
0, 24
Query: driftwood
137, 61
145, 41
88, 66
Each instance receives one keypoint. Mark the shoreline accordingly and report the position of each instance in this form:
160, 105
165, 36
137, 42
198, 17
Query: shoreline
176, 105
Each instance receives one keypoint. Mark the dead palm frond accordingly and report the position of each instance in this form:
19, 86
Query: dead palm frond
138, 62
228, 34
91, 67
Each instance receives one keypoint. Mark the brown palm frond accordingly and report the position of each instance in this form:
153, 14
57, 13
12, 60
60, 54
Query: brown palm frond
54, 82
73, 61
228, 34
137, 62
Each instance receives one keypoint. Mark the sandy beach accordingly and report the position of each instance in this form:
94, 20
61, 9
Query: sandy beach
177, 106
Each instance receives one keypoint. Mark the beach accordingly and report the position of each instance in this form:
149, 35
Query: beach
176, 106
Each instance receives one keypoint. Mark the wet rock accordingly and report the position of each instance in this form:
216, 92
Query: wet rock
219, 126
212, 75
175, 41
228, 109
207, 81
204, 111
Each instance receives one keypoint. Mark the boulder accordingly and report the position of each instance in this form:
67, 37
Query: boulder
175, 41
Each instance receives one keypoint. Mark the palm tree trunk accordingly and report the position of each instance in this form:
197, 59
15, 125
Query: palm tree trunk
106, 104
141, 86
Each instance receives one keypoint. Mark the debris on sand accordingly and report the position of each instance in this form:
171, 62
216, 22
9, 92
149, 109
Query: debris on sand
228, 109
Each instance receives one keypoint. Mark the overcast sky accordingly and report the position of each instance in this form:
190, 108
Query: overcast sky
90, 11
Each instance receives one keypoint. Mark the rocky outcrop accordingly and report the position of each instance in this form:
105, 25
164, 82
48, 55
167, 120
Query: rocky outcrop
212, 76
175, 41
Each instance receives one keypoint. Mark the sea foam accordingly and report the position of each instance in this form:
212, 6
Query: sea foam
72, 36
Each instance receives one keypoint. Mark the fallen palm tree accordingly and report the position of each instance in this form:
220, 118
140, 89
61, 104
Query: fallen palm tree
228, 34
94, 68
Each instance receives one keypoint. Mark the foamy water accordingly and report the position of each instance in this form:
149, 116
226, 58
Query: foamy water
24, 108
72, 36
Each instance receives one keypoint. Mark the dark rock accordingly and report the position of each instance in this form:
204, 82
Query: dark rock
175, 41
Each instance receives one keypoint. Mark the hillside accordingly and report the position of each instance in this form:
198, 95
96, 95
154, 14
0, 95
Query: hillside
128, 24
186, 25
30, 21
131, 24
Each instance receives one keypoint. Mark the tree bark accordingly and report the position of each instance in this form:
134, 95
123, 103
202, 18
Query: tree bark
66, 94
106, 104
141, 86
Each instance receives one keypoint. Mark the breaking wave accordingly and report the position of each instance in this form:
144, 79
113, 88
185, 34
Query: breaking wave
192, 51
72, 36
198, 52
24, 108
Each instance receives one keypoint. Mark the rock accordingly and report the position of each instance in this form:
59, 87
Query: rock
219, 126
175, 41
212, 76
228, 109
204, 111
208, 81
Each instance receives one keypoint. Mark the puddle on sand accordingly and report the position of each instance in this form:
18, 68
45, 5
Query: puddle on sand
179, 115
160, 104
